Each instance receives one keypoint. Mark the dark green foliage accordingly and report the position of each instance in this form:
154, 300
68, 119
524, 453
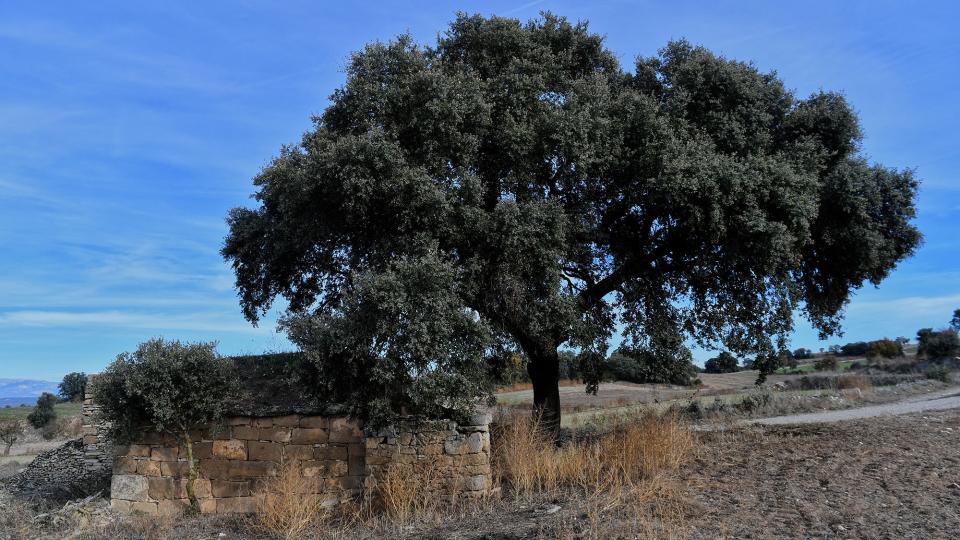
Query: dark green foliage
802, 354
557, 191
955, 321
827, 363
885, 348
400, 342
168, 387
939, 344
43, 413
722, 363
938, 373
857, 348
73, 387
672, 365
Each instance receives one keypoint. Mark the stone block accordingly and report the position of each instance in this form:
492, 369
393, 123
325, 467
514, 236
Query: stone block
225, 488
164, 453
265, 451
230, 449
308, 436
475, 443
163, 488
138, 450
149, 468
298, 451
356, 449
237, 505
314, 468
331, 452
246, 433
121, 506
208, 506
262, 422
320, 422
202, 450
279, 434
141, 507
476, 483
356, 465
290, 420
239, 421
124, 465
175, 468
172, 507
453, 446
129, 487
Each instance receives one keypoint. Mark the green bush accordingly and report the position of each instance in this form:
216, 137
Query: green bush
167, 387
43, 413
722, 363
827, 363
934, 345
885, 348
663, 365
938, 373
73, 387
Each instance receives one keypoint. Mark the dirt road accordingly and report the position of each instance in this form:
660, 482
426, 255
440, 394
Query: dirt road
937, 401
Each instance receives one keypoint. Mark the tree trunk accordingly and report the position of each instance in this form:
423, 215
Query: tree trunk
6, 450
193, 474
544, 370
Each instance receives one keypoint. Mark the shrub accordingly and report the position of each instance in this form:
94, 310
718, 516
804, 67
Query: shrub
827, 363
640, 365
167, 387
722, 363
885, 348
859, 382
43, 413
941, 344
955, 321
73, 387
857, 348
802, 354
10, 432
938, 373
286, 504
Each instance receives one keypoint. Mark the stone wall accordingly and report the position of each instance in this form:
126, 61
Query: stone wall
343, 461
97, 451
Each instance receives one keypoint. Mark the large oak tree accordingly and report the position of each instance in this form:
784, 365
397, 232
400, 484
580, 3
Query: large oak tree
558, 198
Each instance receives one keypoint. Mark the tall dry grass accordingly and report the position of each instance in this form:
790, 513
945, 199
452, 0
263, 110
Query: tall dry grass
854, 381
286, 504
624, 474
404, 491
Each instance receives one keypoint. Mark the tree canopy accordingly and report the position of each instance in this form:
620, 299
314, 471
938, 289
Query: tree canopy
73, 387
560, 197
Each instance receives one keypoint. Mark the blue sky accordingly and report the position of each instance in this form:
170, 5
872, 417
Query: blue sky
127, 132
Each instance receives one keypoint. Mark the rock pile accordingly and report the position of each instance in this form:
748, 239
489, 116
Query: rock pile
60, 475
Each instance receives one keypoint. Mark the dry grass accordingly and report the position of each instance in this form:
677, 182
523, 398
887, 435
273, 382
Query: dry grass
519, 387
625, 474
851, 381
403, 492
286, 504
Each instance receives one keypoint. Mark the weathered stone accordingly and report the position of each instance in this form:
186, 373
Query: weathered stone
246, 433
330, 452
230, 449
129, 487
309, 436
311, 469
298, 451
121, 506
275, 434
175, 468
475, 443
208, 506
202, 450
453, 446
476, 483
320, 422
265, 451
237, 505
172, 507
224, 488
290, 420
141, 507
163, 488
138, 450
164, 453
149, 468
239, 421
356, 465
124, 465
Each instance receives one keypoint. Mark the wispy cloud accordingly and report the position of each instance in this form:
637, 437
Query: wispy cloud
200, 322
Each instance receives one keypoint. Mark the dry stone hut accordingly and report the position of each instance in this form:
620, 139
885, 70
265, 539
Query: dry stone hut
275, 423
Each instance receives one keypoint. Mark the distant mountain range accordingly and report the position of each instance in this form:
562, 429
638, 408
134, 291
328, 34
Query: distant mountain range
23, 391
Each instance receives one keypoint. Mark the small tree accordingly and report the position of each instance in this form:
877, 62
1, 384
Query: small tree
902, 340
10, 432
167, 387
885, 348
940, 344
722, 363
73, 387
955, 321
803, 354
43, 413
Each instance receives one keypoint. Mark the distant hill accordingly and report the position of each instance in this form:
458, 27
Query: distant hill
17, 391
